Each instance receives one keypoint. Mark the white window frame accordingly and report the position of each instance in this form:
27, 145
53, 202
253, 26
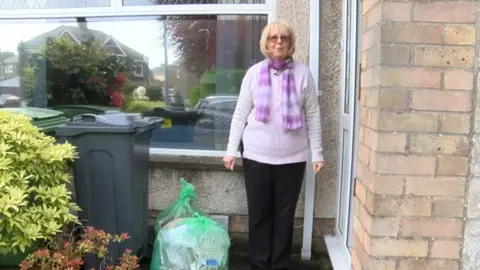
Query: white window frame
116, 9
139, 64
8, 69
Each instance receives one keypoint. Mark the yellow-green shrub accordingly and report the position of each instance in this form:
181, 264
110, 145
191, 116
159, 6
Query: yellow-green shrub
35, 203
141, 106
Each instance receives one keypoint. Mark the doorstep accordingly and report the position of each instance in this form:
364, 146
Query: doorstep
239, 260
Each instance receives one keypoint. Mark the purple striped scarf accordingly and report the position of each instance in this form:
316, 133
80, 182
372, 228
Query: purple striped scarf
292, 118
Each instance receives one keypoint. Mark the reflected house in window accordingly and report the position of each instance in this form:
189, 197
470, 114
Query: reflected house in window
80, 34
8, 66
9, 74
10, 86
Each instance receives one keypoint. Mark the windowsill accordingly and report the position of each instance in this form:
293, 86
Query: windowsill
189, 159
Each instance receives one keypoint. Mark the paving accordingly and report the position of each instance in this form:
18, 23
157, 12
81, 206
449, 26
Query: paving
240, 262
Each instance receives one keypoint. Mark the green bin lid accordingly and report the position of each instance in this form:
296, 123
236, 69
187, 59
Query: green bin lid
46, 120
73, 110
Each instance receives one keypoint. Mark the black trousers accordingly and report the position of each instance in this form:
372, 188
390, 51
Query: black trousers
272, 196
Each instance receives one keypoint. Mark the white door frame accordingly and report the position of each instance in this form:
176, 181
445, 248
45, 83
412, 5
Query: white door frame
339, 244
310, 182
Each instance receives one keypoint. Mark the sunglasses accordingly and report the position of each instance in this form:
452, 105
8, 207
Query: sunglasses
275, 38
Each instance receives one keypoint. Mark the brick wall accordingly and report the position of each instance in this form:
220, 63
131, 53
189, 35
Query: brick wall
415, 121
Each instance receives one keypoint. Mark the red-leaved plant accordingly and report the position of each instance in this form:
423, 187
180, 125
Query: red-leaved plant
69, 256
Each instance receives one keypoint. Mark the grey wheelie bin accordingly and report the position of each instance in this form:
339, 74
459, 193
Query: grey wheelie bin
111, 175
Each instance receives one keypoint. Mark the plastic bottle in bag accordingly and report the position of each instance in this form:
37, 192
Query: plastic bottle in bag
187, 238
197, 243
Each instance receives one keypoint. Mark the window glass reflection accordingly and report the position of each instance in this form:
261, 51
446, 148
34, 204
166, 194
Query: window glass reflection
188, 2
48, 4
187, 69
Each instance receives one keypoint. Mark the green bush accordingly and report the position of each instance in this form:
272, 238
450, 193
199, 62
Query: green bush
35, 203
217, 82
70, 73
154, 92
201, 91
141, 106
228, 77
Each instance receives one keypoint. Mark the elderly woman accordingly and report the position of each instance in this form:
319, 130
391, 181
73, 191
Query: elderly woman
277, 119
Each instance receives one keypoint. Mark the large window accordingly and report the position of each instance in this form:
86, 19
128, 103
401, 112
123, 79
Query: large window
188, 2
185, 68
50, 4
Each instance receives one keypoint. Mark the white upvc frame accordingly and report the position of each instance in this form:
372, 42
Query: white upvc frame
310, 182
117, 9
338, 245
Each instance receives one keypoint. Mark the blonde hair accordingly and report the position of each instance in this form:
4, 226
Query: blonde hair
278, 24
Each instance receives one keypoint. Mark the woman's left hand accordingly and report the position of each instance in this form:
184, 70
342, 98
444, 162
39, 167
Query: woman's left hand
317, 166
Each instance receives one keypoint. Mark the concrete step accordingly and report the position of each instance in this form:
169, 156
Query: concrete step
239, 259
240, 262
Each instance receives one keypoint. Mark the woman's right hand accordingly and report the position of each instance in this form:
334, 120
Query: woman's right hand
229, 162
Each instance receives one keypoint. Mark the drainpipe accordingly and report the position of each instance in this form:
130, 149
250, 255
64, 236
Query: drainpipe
314, 59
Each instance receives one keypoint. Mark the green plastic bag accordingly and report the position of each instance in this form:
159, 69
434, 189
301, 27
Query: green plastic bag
181, 208
197, 243
187, 238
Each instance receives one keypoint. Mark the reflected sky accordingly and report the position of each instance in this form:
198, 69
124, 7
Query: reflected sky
144, 36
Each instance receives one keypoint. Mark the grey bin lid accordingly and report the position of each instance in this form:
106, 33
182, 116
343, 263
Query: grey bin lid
110, 122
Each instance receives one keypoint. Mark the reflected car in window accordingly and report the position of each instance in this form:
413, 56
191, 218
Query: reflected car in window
7, 100
213, 126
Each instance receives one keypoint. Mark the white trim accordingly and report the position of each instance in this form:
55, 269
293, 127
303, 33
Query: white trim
55, 13
115, 4
357, 8
310, 181
272, 14
8, 69
338, 258
139, 63
116, 44
116, 10
69, 33
343, 85
308, 212
314, 48
338, 246
160, 152
202, 9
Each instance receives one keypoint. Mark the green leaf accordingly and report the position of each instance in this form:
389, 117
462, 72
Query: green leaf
34, 199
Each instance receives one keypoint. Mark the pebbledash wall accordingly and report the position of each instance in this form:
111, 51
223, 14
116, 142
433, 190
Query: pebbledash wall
222, 192
417, 196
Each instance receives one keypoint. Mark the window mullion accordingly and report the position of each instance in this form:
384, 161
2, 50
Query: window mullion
116, 4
